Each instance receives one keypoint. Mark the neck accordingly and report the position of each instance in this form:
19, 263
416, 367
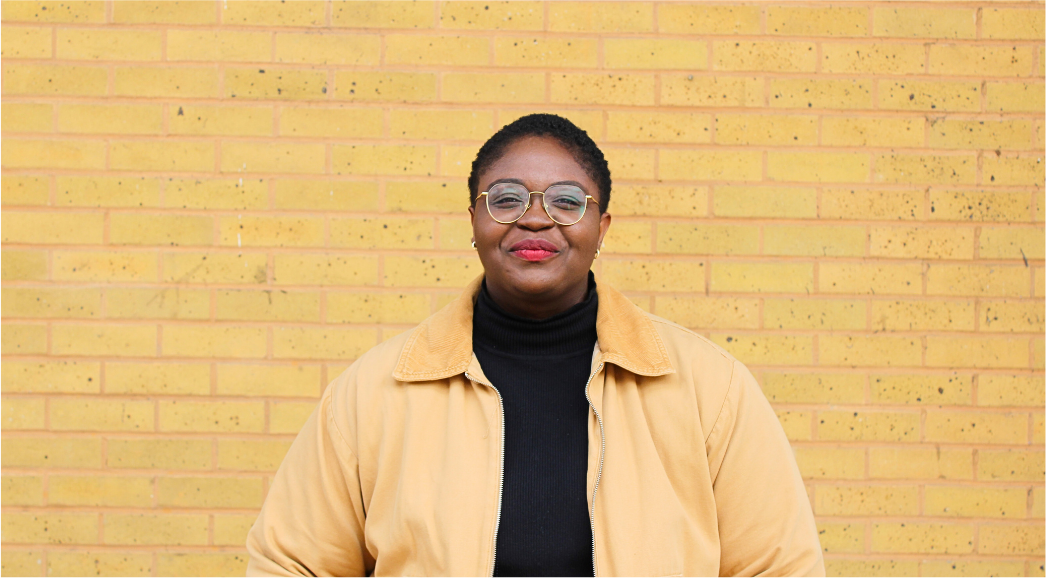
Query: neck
539, 306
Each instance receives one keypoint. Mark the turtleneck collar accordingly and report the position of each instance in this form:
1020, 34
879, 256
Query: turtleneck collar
573, 330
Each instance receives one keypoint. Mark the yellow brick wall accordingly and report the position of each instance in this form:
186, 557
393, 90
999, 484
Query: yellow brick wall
211, 208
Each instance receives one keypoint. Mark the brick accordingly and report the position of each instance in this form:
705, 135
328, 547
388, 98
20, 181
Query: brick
660, 200
331, 122
141, 453
796, 424
918, 537
268, 380
121, 119
267, 306
23, 339
158, 378
774, 202
692, 165
976, 502
610, 17
969, 134
173, 230
762, 277
921, 242
538, 51
1011, 243
26, 117
846, 567
170, 156
322, 342
107, 192
490, 87
439, 124
212, 416
54, 11
623, 89
971, 568
313, 269
624, 237
260, 13
768, 349
369, 233
710, 312
232, 529
383, 14
24, 42
924, 169
815, 241
690, 90
103, 266
979, 206
64, 154
51, 227
93, 490
1038, 495
830, 463
415, 50
24, 265
812, 387
342, 49
53, 452
44, 302
1024, 170
214, 268
872, 132
182, 492
160, 303
100, 563
864, 351
385, 86
1009, 390
879, 58
25, 190
764, 56
50, 528
1008, 23
289, 417
867, 500
456, 234
1014, 96
817, 93
285, 84
22, 491
921, 463
247, 157
1017, 317
818, 167
166, 82
23, 414
976, 427
915, 95
658, 127
104, 340
977, 280
922, 315
217, 193
708, 19
1011, 540
492, 15
831, 314
328, 195
845, 538
867, 426
976, 352
922, 22
635, 53
87, 414
803, 21
220, 46
265, 231
201, 564
50, 377
156, 529
384, 159
1010, 465
221, 120
630, 163
377, 308
250, 455
456, 161
645, 275
738, 129
61, 80
135, 12
706, 239
213, 341
100, 44
971, 60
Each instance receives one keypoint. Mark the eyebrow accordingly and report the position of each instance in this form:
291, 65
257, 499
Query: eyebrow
520, 182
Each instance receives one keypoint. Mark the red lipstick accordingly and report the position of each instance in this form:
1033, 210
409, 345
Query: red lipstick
534, 250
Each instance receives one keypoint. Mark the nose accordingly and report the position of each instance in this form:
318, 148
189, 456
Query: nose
535, 217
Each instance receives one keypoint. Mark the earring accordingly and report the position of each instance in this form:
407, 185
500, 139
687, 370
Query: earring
474, 245
598, 250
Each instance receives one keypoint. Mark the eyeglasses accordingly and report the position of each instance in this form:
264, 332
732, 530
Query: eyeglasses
508, 202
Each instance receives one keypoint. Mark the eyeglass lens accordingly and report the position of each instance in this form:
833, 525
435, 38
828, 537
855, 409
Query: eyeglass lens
565, 204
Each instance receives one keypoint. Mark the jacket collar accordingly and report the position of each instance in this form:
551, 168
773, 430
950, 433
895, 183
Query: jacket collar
441, 346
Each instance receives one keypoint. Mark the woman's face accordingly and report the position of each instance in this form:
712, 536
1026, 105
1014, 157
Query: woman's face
537, 283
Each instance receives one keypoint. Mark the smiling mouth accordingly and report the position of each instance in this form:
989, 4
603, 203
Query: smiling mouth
534, 250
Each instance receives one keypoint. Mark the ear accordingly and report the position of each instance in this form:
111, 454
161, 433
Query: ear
604, 226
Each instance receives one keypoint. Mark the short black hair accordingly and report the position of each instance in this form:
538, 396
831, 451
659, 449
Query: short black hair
572, 138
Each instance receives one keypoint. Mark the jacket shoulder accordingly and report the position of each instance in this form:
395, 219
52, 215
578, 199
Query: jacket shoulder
685, 341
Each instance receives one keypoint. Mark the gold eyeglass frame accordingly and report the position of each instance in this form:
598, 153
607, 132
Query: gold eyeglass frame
544, 205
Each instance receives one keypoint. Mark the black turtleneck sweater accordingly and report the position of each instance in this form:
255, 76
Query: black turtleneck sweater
540, 368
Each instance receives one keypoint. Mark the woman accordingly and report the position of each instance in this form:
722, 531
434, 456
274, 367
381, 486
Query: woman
541, 424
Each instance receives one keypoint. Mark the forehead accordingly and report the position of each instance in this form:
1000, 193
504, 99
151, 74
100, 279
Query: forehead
538, 162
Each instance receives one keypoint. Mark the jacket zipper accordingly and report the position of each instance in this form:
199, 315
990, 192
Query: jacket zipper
501, 479
599, 473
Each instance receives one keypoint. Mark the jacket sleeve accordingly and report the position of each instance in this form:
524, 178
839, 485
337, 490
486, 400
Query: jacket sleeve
766, 525
312, 521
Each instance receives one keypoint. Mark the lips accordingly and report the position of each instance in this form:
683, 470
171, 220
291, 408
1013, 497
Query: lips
534, 249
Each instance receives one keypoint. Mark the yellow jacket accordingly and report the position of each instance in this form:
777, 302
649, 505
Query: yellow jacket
398, 471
